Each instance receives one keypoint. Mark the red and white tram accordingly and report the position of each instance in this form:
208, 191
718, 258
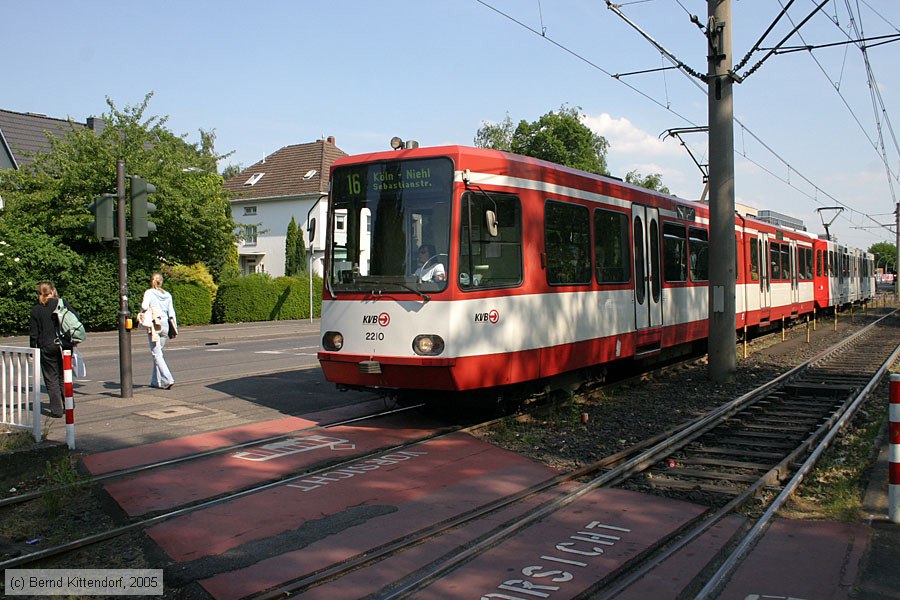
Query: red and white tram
456, 268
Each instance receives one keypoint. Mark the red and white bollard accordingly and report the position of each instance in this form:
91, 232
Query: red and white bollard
70, 398
894, 441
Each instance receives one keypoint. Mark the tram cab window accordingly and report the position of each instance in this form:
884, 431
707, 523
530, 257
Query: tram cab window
611, 247
567, 243
698, 246
490, 241
675, 257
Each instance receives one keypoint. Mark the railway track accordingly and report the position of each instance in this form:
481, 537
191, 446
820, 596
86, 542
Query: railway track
722, 460
697, 477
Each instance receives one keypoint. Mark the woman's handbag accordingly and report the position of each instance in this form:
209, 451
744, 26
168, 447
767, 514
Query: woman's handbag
173, 331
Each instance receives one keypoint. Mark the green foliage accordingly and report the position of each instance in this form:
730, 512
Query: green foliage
231, 268
497, 136
258, 297
294, 250
302, 267
290, 249
28, 256
651, 182
196, 273
885, 254
558, 137
46, 214
193, 304
58, 474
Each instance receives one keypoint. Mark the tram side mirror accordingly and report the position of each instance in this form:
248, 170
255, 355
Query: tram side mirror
312, 231
490, 219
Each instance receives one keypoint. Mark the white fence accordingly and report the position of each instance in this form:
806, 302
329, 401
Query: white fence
20, 396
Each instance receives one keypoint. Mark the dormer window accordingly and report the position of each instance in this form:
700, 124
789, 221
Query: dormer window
253, 179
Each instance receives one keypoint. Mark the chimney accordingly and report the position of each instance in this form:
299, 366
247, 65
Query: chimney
96, 124
331, 140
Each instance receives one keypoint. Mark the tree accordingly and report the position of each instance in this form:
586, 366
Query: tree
231, 170
885, 255
651, 182
301, 252
496, 136
290, 249
193, 216
558, 137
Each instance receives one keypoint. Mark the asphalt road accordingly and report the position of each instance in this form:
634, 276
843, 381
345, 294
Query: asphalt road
226, 376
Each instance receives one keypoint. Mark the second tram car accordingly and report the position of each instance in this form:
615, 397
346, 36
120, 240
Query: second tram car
456, 268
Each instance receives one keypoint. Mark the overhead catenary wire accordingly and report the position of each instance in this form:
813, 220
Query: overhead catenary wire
695, 77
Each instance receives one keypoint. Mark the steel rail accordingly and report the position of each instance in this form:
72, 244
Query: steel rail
620, 473
195, 456
762, 524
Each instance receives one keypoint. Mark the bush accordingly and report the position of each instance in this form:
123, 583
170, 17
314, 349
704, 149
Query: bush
193, 304
196, 273
258, 297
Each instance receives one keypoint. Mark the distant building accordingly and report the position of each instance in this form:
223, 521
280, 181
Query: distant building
776, 218
292, 182
22, 135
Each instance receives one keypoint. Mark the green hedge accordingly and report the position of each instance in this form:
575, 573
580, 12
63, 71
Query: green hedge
258, 297
192, 303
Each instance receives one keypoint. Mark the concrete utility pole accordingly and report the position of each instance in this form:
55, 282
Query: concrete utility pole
722, 275
897, 263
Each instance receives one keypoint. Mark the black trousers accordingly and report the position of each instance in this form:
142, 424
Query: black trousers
52, 371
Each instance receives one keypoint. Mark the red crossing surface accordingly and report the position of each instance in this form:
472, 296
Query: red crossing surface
801, 559
170, 487
442, 479
116, 460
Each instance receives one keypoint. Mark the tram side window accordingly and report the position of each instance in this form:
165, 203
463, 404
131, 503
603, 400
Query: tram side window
675, 258
774, 261
567, 243
786, 272
611, 247
486, 260
699, 250
754, 260
818, 263
807, 263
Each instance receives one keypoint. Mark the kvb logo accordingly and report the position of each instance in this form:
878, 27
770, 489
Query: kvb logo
491, 317
382, 319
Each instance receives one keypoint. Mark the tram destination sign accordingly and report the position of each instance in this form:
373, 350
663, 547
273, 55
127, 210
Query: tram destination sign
425, 175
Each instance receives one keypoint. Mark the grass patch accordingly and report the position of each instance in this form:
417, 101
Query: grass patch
15, 439
56, 474
836, 486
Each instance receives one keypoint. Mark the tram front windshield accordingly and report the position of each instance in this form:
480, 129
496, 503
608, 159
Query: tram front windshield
390, 226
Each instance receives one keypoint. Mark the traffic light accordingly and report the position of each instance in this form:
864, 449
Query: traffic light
103, 209
140, 207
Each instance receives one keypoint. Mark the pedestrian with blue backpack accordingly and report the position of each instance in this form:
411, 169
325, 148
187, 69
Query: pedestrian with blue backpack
42, 333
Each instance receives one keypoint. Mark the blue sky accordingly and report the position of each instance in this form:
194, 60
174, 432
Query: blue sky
270, 74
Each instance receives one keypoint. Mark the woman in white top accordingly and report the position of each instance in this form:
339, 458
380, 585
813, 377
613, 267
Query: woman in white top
162, 311
430, 267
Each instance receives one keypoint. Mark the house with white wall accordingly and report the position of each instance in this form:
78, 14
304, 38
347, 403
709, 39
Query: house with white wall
292, 182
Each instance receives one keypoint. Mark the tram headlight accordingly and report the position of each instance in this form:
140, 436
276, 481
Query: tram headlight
428, 345
332, 341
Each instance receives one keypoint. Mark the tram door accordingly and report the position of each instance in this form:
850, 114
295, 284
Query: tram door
795, 273
765, 286
647, 276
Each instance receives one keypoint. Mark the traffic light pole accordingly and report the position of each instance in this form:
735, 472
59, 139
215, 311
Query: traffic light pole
124, 339
722, 271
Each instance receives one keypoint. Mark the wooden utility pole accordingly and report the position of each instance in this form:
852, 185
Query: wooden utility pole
722, 270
